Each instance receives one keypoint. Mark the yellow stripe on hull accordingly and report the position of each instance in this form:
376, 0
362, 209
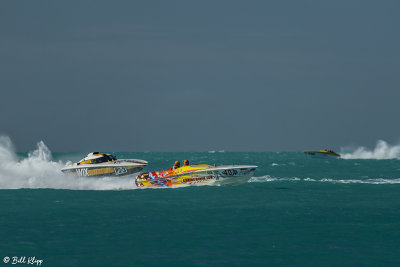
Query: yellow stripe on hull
104, 171
101, 171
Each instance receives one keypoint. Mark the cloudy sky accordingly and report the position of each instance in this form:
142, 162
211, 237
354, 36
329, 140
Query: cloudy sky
199, 75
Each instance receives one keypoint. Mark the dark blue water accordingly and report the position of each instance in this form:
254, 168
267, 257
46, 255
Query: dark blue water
295, 211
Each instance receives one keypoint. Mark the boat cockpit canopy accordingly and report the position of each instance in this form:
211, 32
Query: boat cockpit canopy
105, 158
96, 157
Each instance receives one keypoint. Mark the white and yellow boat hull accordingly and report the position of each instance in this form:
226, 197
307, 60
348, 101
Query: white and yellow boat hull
112, 169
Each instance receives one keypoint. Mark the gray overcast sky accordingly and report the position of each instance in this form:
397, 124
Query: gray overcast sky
199, 75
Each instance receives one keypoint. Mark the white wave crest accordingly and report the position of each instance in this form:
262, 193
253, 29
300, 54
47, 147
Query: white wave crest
382, 150
38, 170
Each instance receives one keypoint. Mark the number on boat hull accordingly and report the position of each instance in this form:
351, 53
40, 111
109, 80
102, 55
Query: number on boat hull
120, 170
230, 172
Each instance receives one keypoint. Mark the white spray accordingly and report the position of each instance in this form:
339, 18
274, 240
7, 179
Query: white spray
382, 150
38, 170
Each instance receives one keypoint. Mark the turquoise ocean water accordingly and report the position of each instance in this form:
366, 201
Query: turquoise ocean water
295, 211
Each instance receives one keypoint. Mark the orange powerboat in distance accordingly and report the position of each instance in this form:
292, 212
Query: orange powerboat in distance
322, 153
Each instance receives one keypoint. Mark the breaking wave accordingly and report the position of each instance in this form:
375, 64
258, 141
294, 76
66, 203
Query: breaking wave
38, 170
382, 150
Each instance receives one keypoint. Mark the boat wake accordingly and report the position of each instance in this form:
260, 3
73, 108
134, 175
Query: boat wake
382, 150
268, 178
38, 170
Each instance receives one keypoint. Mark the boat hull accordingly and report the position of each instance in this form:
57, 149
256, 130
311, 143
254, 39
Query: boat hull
103, 171
114, 169
322, 154
224, 175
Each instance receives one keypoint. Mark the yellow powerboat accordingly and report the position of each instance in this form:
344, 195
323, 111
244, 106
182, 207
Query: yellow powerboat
322, 153
97, 164
199, 174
